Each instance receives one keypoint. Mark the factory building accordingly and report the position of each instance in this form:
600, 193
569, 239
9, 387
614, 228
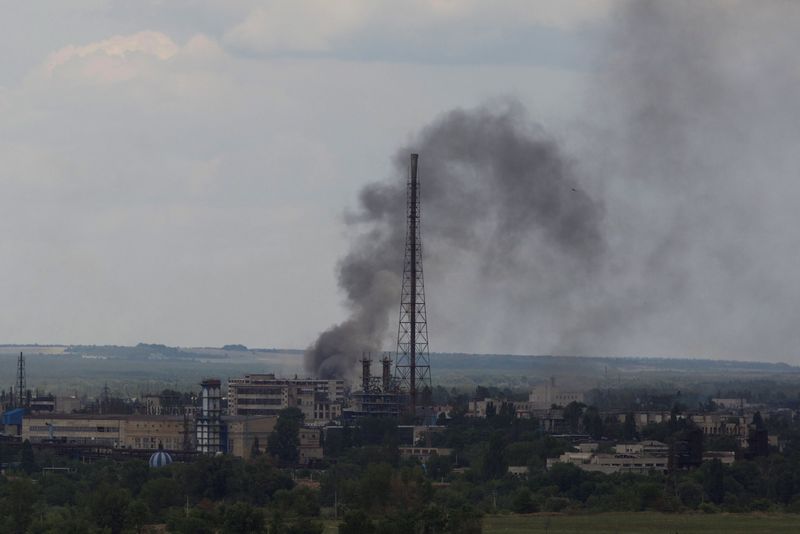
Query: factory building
544, 396
379, 396
237, 434
172, 433
715, 424
120, 431
243, 434
263, 394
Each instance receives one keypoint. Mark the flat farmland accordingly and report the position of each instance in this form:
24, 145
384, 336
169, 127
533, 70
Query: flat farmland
646, 522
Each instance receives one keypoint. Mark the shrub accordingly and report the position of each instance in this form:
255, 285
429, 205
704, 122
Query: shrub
556, 504
708, 508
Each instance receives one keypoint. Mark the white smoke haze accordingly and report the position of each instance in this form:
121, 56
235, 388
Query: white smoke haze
667, 228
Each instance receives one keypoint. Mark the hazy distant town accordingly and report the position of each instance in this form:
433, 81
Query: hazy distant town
496, 435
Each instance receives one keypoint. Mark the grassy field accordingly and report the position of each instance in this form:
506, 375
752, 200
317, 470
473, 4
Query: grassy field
646, 522
643, 522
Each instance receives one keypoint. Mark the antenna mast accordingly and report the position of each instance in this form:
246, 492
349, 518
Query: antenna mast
21, 386
413, 369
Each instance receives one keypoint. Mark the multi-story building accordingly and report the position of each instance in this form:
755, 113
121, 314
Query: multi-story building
613, 463
69, 404
103, 430
171, 432
243, 434
543, 396
122, 431
310, 445
639, 457
642, 419
42, 403
731, 404
264, 394
645, 448
715, 424
238, 435
550, 419
424, 453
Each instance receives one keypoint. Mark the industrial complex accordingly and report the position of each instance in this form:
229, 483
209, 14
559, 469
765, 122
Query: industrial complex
238, 416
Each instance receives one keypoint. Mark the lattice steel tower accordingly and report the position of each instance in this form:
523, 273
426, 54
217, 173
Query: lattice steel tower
413, 370
21, 386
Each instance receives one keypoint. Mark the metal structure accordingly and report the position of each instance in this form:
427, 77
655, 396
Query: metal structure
209, 418
366, 375
20, 383
386, 373
413, 371
379, 395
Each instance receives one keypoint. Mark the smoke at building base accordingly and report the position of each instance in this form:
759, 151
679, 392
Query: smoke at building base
496, 192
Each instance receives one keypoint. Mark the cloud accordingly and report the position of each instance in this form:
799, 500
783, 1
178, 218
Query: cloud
381, 28
105, 60
121, 61
300, 26
161, 187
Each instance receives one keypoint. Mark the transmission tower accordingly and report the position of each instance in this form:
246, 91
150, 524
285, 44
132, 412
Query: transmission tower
21, 386
413, 370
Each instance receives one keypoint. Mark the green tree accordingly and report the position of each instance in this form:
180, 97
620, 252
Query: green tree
438, 467
62, 521
28, 460
58, 490
161, 493
785, 486
494, 457
572, 414
242, 518
714, 481
464, 520
356, 522
108, 505
691, 494
17, 505
178, 523
629, 428
134, 474
255, 450
284, 442
375, 485
593, 423
137, 514
305, 526
522, 502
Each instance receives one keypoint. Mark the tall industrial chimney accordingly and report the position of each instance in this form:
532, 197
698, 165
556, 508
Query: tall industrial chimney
386, 376
366, 373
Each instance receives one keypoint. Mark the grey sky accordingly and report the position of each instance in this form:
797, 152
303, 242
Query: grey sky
176, 171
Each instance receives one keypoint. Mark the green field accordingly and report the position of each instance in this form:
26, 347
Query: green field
647, 522
642, 522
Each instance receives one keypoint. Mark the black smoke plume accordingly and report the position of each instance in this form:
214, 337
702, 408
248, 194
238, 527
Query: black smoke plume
494, 188
672, 232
